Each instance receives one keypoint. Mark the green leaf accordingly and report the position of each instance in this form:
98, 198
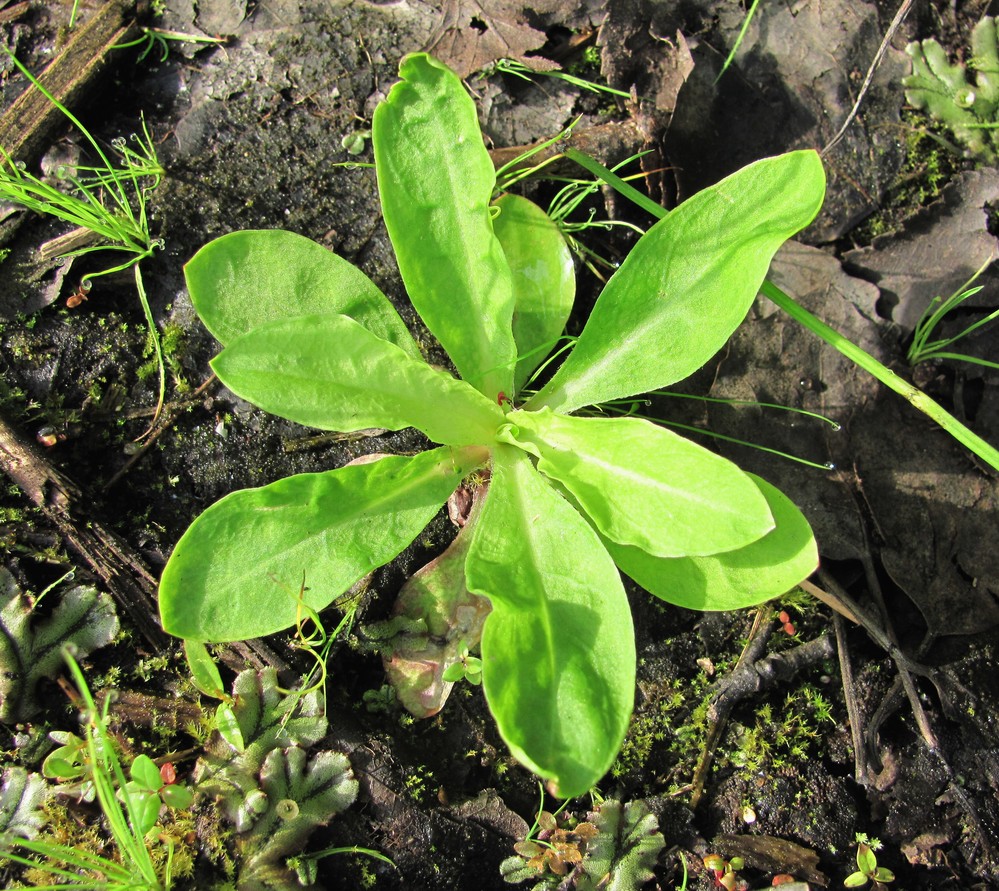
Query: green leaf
178, 797
436, 180
645, 486
228, 727
236, 572
623, 855
855, 880
558, 649
688, 283
745, 577
243, 279
146, 774
146, 807
330, 372
61, 769
867, 862
302, 794
204, 671
266, 719
544, 280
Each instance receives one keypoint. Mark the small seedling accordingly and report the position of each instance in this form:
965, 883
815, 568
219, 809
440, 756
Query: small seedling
467, 668
152, 788
786, 624
109, 200
70, 761
726, 872
163, 39
129, 809
924, 349
355, 142
519, 69
867, 866
617, 846
554, 848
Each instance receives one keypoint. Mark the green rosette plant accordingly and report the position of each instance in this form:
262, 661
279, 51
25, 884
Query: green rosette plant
571, 499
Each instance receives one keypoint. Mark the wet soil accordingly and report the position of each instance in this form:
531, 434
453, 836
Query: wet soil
250, 135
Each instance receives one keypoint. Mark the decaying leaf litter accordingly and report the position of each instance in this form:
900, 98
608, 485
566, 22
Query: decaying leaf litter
249, 133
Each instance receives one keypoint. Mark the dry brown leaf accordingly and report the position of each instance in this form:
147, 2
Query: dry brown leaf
474, 34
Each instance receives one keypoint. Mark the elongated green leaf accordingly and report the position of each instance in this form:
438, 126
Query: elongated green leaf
330, 372
688, 283
760, 571
544, 280
204, 672
646, 486
243, 279
558, 649
436, 181
237, 572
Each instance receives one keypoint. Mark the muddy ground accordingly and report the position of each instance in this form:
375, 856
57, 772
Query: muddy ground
250, 135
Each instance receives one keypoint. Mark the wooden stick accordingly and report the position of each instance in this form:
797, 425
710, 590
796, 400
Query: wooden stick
26, 128
120, 569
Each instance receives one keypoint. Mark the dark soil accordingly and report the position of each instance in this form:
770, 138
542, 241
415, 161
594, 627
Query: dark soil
249, 134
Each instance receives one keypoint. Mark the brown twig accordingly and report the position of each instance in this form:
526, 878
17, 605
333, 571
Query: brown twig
896, 23
28, 124
852, 708
905, 667
118, 567
752, 675
165, 425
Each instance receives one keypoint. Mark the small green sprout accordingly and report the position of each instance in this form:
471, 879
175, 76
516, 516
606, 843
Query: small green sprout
130, 809
153, 787
867, 865
162, 38
108, 199
355, 142
468, 668
726, 872
519, 69
924, 349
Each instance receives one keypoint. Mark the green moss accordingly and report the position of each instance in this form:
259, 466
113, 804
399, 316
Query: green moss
418, 784
929, 166
651, 723
368, 877
173, 347
781, 736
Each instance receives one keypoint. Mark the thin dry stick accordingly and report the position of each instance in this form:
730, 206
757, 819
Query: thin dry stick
896, 23
158, 432
874, 587
752, 675
852, 709
906, 667
720, 708
110, 558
